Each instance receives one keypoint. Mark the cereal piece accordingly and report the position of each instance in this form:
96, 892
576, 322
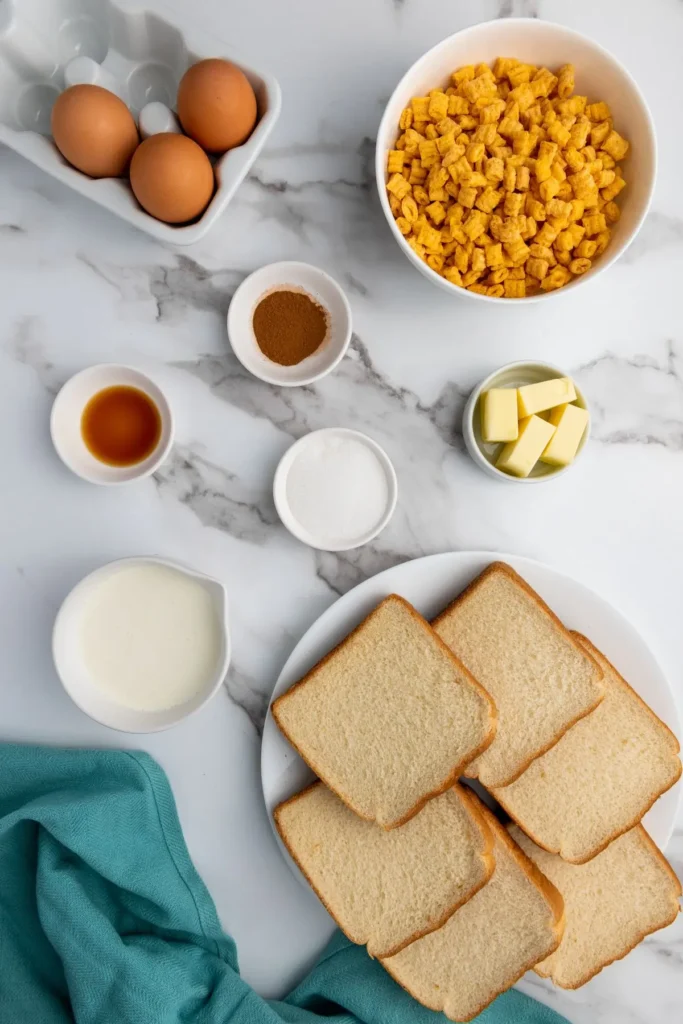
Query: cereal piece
418, 173
395, 161
436, 212
548, 189
558, 133
557, 278
475, 152
478, 259
498, 275
502, 65
575, 160
438, 106
453, 275
420, 106
598, 111
599, 133
492, 111
582, 183
398, 186
462, 75
572, 106
518, 251
457, 105
403, 225
580, 266
523, 179
517, 74
523, 143
395, 206
612, 212
577, 209
543, 83
558, 208
435, 261
431, 132
565, 81
586, 249
523, 95
537, 268
534, 207
471, 277
563, 257
564, 242
615, 145
613, 190
474, 225
514, 202
542, 252
409, 209
429, 154
488, 200
602, 241
406, 118
494, 256
514, 289
608, 162
546, 234
594, 223
430, 238
494, 169
558, 172
508, 127
467, 196
589, 154
478, 87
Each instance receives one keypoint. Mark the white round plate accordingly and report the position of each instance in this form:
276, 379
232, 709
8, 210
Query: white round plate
430, 584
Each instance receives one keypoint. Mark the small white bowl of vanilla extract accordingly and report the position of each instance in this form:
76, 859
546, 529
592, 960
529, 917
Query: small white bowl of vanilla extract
111, 424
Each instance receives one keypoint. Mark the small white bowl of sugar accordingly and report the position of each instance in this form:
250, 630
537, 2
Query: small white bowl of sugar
335, 489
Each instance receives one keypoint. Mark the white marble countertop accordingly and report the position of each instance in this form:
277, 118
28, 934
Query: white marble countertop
79, 287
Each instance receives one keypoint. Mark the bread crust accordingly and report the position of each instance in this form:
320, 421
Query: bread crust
675, 909
486, 856
499, 793
458, 769
544, 886
507, 570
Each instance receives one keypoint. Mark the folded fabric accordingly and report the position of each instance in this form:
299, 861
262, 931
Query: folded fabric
104, 920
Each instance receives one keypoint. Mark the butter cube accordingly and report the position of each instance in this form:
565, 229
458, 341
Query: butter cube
533, 398
499, 415
519, 457
570, 423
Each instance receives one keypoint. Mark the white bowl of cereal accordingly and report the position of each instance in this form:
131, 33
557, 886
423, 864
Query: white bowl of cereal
455, 191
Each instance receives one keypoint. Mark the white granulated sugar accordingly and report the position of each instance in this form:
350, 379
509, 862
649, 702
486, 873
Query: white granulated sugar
337, 490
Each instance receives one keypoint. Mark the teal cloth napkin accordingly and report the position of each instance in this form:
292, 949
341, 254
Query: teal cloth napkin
104, 920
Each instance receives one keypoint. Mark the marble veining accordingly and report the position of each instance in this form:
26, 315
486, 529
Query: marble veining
80, 287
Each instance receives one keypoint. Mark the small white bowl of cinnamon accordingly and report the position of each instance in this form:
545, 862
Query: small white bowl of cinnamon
289, 324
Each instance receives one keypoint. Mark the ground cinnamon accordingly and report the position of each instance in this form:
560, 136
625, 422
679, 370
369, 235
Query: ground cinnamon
289, 326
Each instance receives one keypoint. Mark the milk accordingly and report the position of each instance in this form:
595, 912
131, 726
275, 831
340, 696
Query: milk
150, 637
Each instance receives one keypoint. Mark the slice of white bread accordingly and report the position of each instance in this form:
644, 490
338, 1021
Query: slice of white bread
390, 717
387, 888
485, 947
611, 903
600, 779
541, 679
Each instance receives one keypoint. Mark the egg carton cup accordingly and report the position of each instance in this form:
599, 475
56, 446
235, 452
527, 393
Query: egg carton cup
46, 45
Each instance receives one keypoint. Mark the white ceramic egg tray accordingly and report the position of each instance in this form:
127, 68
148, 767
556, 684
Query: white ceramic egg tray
142, 58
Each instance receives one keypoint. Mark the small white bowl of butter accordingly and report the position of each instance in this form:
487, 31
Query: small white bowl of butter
141, 643
527, 423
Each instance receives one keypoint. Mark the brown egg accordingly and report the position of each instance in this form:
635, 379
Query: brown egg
216, 105
94, 130
172, 178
